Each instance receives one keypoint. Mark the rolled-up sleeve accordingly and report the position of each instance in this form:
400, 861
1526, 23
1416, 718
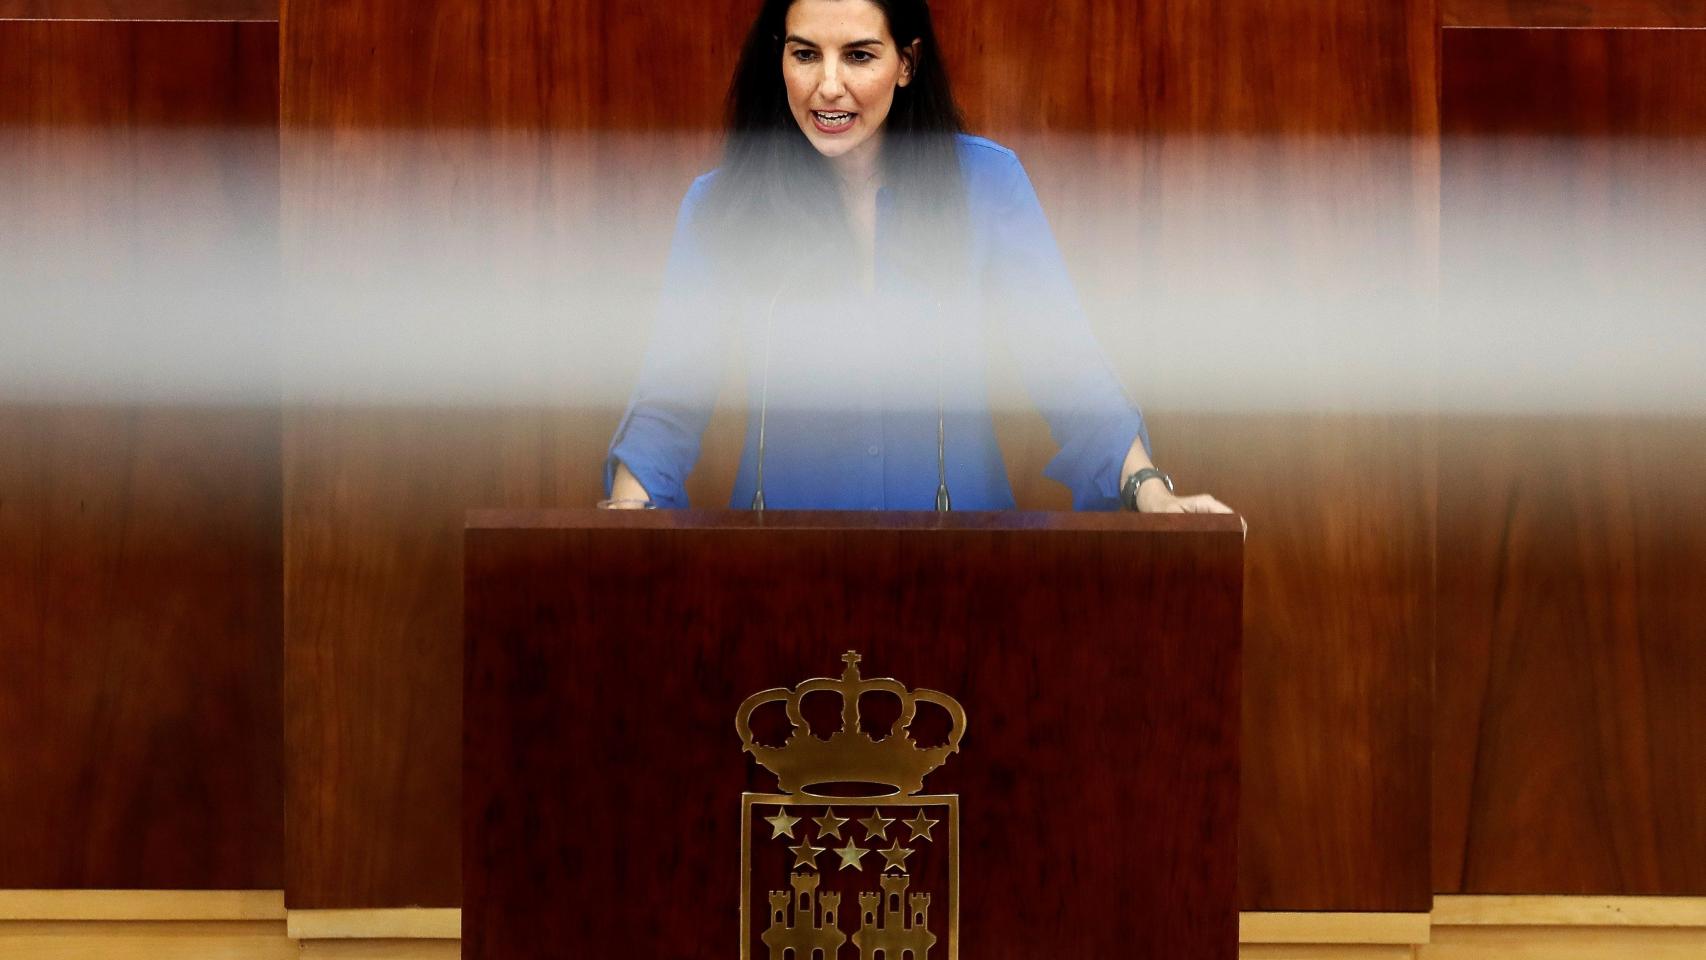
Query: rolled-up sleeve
1064, 368
659, 435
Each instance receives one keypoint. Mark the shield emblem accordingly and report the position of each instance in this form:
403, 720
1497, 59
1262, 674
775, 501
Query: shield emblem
835, 877
867, 878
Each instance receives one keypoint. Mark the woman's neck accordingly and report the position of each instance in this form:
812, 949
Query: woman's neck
860, 172
861, 178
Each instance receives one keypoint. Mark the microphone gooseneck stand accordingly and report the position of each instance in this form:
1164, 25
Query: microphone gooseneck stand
764, 394
944, 502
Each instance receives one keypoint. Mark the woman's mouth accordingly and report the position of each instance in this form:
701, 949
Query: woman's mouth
830, 122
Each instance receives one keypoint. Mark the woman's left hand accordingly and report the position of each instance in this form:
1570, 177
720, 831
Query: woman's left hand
1156, 498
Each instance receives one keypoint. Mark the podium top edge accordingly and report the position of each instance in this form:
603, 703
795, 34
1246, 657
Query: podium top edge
594, 519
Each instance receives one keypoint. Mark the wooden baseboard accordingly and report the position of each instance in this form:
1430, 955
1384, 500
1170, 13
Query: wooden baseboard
408, 923
146, 940
1488, 928
1374, 929
381, 950
86, 905
254, 925
1331, 936
1324, 951
143, 925
1564, 943
1546, 911
1567, 928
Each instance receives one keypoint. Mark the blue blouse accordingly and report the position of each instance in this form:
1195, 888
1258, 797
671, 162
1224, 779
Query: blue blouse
851, 387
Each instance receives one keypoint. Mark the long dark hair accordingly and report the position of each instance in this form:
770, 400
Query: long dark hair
773, 183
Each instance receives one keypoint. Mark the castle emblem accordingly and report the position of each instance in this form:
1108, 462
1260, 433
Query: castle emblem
850, 825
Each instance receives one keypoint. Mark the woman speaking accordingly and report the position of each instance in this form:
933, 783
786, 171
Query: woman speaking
861, 255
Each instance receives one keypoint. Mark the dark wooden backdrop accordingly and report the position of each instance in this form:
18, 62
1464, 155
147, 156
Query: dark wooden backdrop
1573, 13
1572, 548
140, 576
264, 11
1121, 724
1339, 606
1565, 676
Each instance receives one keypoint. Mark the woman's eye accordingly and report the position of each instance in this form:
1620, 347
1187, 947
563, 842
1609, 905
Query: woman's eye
861, 56
805, 56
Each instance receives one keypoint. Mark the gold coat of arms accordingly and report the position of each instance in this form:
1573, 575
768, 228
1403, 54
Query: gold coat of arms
851, 859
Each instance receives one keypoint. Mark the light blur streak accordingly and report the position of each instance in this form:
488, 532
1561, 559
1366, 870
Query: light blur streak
1220, 275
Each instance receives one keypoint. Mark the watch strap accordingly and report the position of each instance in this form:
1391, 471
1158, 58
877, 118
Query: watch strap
1128, 493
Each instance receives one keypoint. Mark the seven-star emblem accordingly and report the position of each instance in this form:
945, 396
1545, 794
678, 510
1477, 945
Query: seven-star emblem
851, 855
921, 827
805, 855
829, 825
876, 825
896, 856
782, 824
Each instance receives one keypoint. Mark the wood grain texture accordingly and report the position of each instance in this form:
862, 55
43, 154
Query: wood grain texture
1338, 630
119, 940
1355, 73
373, 509
565, 64
1338, 607
381, 950
117, 75
1574, 83
1568, 756
1552, 911
1325, 951
407, 923
146, 905
1342, 67
1555, 943
1572, 13
1364, 929
139, 606
1345, 67
1099, 793
375, 561
139, 543
114, 10
1571, 671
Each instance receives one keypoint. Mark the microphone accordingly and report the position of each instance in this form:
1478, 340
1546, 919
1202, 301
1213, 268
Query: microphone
944, 500
764, 394
944, 503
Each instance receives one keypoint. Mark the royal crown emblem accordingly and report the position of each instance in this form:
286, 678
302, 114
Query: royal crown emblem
850, 755
888, 849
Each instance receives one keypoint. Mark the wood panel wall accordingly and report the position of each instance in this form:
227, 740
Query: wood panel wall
202, 11
374, 496
139, 541
1564, 756
1572, 13
389, 149
1332, 160
1573, 545
1351, 67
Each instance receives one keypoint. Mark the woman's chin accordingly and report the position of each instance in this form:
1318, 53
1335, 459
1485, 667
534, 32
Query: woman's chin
832, 147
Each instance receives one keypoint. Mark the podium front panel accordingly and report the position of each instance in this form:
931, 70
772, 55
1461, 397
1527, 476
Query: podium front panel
1096, 784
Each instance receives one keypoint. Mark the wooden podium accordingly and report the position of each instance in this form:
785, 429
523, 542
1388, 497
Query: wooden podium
1096, 657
